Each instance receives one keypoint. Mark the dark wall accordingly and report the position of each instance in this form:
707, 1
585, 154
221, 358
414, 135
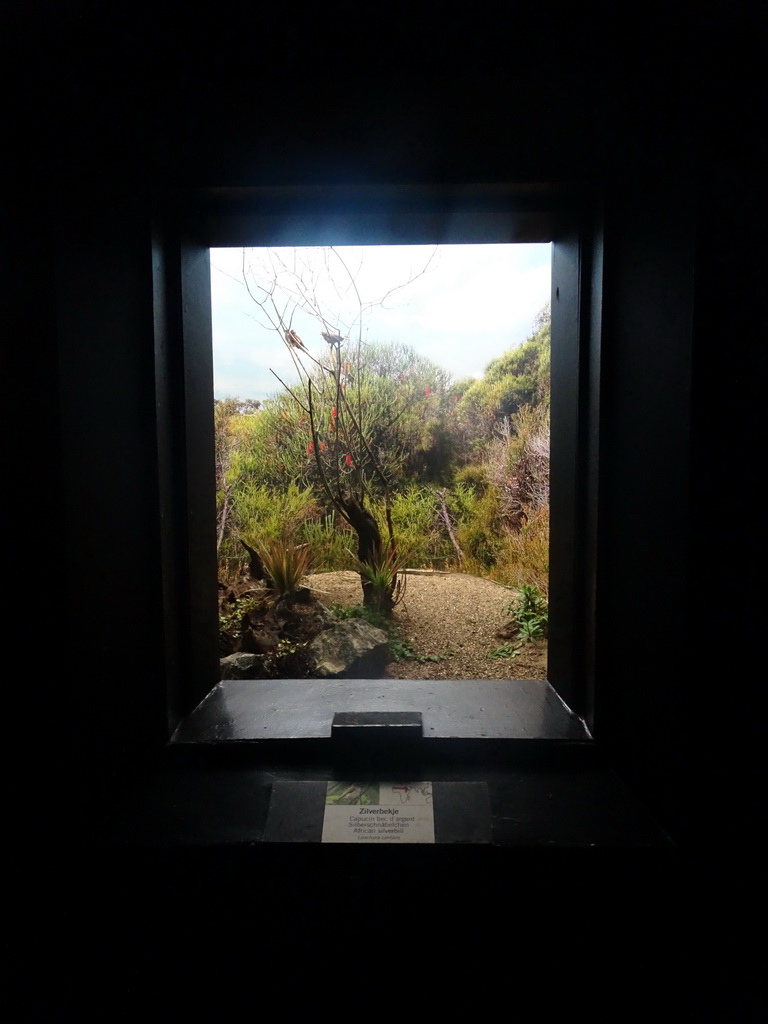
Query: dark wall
116, 112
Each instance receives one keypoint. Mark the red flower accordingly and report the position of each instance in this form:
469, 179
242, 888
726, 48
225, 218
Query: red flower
427, 392
348, 461
322, 446
310, 447
333, 412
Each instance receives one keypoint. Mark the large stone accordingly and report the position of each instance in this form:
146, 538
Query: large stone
242, 666
351, 649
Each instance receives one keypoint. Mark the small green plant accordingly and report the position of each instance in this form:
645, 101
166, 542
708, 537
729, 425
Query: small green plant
423, 659
402, 649
286, 564
530, 614
362, 611
352, 611
532, 630
533, 603
287, 648
232, 621
508, 650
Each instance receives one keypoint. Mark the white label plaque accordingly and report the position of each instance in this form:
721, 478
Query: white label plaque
379, 812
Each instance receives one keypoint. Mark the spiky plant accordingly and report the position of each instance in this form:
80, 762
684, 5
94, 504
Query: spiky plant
286, 564
383, 579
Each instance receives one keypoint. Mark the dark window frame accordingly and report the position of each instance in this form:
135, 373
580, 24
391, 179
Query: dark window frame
187, 226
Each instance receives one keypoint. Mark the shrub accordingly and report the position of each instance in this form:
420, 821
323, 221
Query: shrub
480, 536
420, 537
474, 476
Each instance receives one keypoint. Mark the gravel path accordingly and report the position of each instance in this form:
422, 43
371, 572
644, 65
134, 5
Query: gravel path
453, 615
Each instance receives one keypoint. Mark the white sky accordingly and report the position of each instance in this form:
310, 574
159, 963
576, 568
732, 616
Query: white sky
473, 303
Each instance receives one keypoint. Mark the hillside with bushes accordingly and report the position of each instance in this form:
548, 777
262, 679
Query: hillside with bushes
454, 473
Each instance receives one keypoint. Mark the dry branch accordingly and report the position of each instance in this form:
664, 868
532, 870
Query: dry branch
445, 516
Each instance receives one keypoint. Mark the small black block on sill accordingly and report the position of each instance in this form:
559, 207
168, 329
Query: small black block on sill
377, 726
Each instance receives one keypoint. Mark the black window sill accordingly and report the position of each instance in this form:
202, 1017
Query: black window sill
242, 711
511, 766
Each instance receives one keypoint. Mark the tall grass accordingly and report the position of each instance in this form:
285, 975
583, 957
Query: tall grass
523, 558
329, 539
261, 514
491, 549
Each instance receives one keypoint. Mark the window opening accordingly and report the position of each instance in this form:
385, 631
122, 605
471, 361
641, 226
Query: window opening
410, 384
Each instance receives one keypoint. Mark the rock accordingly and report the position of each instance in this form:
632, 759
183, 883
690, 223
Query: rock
275, 639
350, 649
242, 666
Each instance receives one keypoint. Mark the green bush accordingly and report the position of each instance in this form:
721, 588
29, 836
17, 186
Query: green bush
474, 475
480, 537
261, 514
420, 537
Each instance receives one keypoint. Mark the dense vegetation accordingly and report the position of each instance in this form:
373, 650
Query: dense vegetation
463, 467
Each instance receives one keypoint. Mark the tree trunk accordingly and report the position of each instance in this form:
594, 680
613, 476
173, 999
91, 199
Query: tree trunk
369, 550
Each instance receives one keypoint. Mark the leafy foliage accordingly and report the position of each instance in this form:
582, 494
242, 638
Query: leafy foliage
530, 614
508, 650
231, 621
402, 649
261, 512
362, 611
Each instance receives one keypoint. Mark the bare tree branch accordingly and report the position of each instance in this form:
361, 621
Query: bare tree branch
285, 286
444, 515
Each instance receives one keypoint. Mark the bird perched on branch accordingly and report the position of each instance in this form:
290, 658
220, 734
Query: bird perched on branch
332, 339
294, 340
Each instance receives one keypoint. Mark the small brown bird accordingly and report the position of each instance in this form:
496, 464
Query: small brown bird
332, 339
293, 339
